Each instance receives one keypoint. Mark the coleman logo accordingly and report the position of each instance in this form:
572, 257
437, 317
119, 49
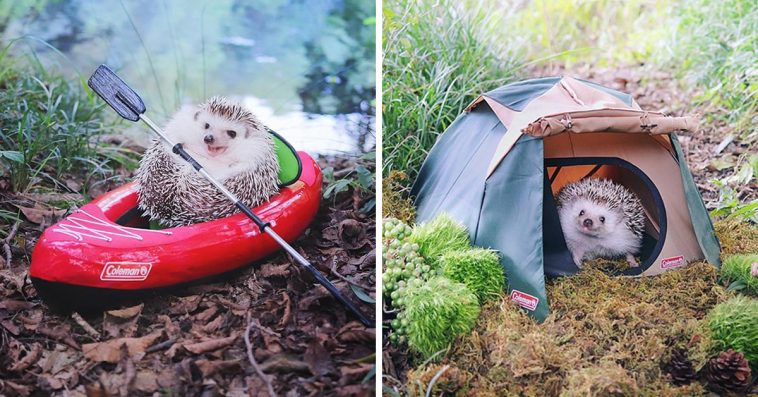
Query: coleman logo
675, 261
525, 300
125, 271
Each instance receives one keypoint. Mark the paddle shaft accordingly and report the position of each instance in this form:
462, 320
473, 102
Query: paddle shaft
263, 226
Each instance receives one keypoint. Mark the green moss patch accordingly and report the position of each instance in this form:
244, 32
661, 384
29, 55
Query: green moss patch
442, 235
437, 311
478, 268
734, 325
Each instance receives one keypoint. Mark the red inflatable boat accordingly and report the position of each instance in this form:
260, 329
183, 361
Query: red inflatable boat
105, 250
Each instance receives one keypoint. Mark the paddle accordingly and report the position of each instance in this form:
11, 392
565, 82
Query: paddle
116, 93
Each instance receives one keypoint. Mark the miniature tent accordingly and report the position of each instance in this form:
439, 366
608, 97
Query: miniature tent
498, 167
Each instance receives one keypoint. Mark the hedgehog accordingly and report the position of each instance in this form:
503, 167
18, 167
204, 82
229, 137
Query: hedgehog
601, 218
230, 143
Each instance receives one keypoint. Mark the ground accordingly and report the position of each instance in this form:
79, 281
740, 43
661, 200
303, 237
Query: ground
598, 321
193, 341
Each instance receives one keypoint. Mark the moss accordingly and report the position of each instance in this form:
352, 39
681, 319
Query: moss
604, 379
737, 237
443, 234
738, 268
734, 325
478, 268
437, 312
596, 320
452, 381
602, 325
395, 204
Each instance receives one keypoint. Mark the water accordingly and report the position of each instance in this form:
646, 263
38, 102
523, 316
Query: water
305, 67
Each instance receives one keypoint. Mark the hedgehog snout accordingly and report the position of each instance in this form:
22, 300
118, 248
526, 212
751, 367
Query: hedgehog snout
587, 222
209, 139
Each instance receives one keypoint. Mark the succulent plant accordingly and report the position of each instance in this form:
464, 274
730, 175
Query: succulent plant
478, 268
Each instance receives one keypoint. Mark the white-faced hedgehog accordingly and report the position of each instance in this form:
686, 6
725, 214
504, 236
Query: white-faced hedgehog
230, 143
600, 218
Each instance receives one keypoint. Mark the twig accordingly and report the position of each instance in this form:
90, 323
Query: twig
434, 380
347, 280
254, 363
85, 325
163, 345
6, 243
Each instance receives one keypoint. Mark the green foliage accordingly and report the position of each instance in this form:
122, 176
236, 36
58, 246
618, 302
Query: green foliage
478, 268
601, 31
437, 311
732, 324
49, 125
360, 176
438, 56
714, 46
443, 234
736, 269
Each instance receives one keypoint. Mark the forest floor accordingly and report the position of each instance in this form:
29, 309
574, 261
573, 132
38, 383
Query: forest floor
193, 340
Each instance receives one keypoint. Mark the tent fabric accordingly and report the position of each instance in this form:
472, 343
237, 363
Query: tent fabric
488, 174
610, 120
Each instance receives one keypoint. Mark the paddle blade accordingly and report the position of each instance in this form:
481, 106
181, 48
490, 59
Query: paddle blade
116, 93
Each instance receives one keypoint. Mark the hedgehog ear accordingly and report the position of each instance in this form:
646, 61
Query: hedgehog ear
197, 114
247, 132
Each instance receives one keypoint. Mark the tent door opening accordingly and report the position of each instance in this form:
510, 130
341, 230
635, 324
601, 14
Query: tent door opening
560, 172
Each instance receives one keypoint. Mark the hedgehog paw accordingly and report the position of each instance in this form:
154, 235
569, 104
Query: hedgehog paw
632, 262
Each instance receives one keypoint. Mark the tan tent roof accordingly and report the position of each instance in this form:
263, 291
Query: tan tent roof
571, 106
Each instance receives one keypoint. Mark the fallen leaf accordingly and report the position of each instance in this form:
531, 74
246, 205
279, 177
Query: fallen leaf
283, 363
41, 213
15, 305
210, 345
355, 332
109, 351
186, 305
352, 234
29, 359
126, 313
146, 381
275, 270
318, 359
209, 368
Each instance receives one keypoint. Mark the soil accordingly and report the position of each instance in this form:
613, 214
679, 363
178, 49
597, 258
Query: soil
193, 340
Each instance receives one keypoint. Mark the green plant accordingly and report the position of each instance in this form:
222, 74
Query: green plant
443, 234
436, 312
359, 176
478, 268
439, 55
737, 270
732, 325
598, 31
713, 46
49, 125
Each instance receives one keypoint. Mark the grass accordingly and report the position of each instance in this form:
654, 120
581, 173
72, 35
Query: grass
713, 47
438, 56
605, 31
50, 128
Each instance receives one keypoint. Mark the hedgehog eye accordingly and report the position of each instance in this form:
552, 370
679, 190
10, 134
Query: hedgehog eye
231, 133
207, 126
602, 219
581, 212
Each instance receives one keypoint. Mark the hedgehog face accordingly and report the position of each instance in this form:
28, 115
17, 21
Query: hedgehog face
216, 134
594, 219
